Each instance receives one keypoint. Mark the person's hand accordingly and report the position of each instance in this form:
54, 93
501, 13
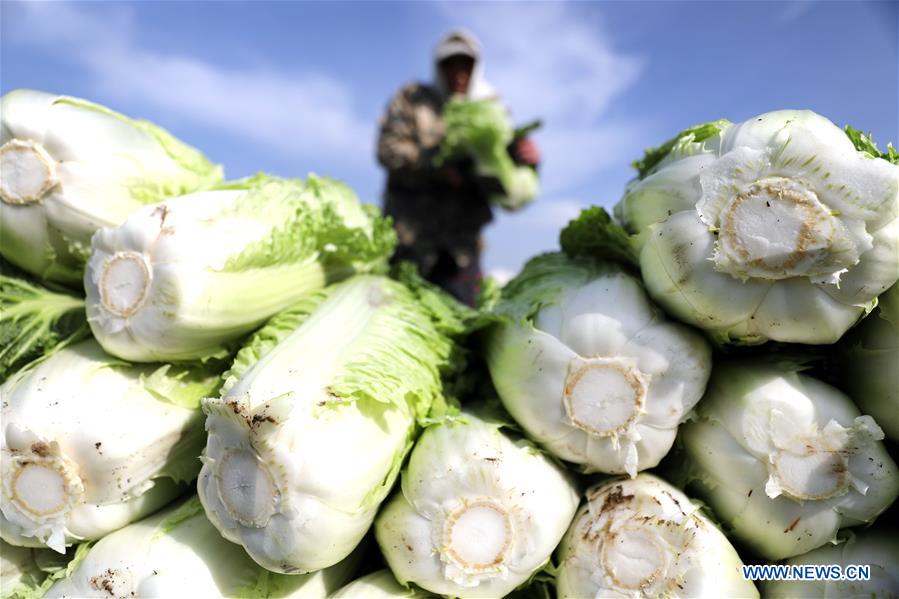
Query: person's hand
526, 151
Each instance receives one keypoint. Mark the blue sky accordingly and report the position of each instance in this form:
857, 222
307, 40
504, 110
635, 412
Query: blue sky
291, 88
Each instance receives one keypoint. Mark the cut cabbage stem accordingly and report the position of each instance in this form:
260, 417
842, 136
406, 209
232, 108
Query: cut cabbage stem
478, 536
28, 172
126, 291
603, 396
124, 283
246, 488
41, 485
778, 229
637, 556
819, 474
641, 537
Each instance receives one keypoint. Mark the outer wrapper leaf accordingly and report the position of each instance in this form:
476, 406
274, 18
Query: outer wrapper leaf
35, 321
593, 234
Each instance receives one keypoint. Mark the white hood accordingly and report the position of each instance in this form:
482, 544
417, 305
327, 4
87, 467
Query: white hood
459, 41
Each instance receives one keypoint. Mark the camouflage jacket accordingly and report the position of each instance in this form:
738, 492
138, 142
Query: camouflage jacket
435, 210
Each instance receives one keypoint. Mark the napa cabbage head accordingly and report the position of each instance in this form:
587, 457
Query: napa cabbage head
645, 538
876, 549
783, 459
182, 280
479, 511
69, 167
782, 227
178, 553
316, 416
89, 443
589, 368
378, 585
868, 360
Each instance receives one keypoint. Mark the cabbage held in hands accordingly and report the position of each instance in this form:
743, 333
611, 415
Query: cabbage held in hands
480, 129
70, 167
782, 227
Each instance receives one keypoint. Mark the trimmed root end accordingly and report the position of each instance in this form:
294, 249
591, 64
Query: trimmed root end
603, 396
27, 172
478, 536
43, 487
777, 229
124, 283
817, 475
246, 488
633, 558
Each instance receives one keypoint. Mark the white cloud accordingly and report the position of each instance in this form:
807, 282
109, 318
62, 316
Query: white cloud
549, 60
501, 274
310, 114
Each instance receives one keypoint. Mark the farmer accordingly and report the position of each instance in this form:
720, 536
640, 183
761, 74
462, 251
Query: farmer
439, 211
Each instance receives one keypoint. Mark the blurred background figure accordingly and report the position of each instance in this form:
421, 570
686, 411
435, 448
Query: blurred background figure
439, 211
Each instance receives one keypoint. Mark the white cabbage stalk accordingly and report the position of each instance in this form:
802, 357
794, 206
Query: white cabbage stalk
870, 364
315, 420
775, 228
644, 538
784, 460
378, 585
90, 444
878, 549
69, 167
590, 368
178, 553
179, 280
478, 513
